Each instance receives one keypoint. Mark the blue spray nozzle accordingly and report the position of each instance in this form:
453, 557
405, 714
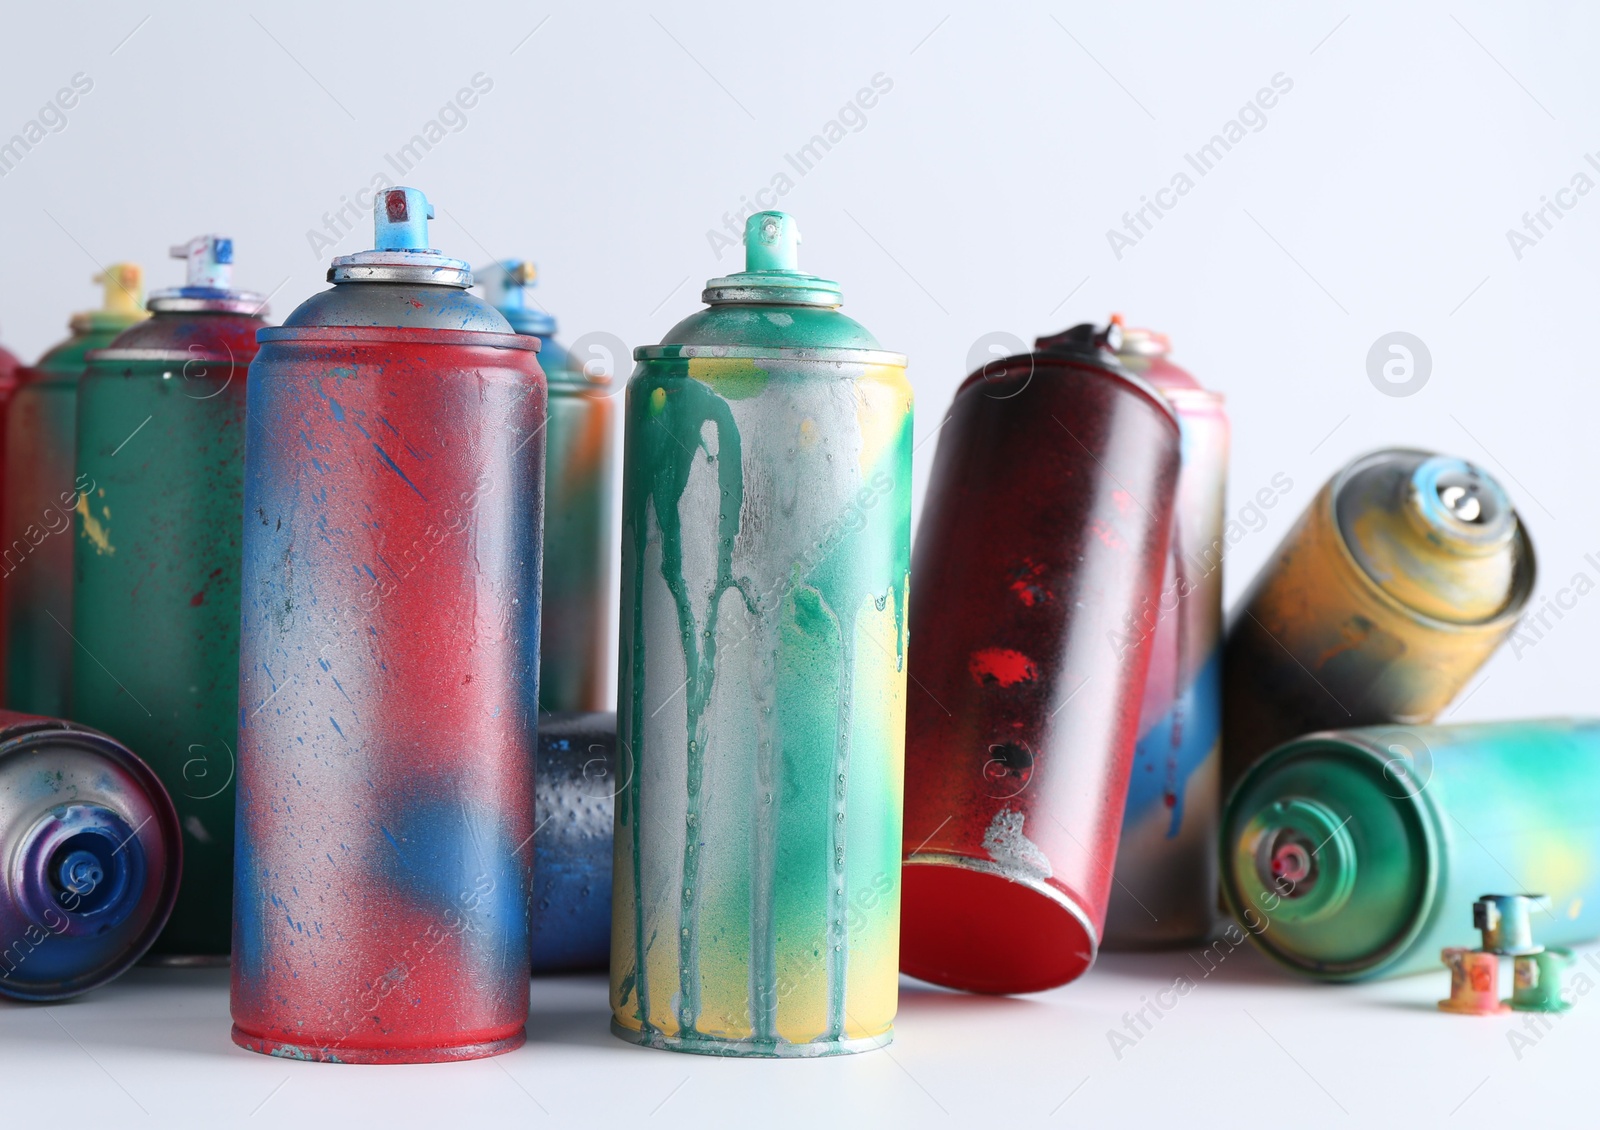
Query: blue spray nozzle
510, 284
400, 219
210, 262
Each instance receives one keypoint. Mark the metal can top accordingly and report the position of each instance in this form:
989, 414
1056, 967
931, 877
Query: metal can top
508, 284
209, 286
771, 308
1147, 354
205, 320
94, 854
402, 283
1436, 534
122, 306
1085, 345
1342, 905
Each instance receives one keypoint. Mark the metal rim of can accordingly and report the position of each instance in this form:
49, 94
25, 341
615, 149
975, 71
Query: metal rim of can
458, 277
239, 302
398, 334
160, 356
1525, 574
773, 353
1416, 806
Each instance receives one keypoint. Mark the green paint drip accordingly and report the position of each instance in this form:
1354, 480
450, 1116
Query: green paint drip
670, 426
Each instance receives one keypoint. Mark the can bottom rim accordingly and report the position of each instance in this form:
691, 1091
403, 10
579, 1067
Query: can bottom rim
751, 1049
974, 925
344, 1053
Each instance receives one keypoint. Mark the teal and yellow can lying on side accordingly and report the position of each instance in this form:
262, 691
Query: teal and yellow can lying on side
766, 546
1359, 853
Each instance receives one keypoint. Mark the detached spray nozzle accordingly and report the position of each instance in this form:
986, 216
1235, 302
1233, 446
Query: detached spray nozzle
210, 262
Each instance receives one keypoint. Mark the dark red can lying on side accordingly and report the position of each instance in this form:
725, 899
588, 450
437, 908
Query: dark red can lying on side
1037, 577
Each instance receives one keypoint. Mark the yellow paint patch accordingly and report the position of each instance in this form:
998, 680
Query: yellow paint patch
732, 378
1575, 909
94, 529
877, 768
883, 400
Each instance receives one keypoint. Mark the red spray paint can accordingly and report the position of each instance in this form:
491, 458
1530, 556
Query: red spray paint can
388, 689
1042, 546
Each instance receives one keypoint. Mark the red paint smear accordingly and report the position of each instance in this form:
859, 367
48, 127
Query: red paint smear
1025, 584
197, 599
1105, 533
1002, 665
1123, 500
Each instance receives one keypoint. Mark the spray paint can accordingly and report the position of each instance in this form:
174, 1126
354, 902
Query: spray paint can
1165, 889
9, 367
93, 854
41, 495
765, 565
388, 665
579, 455
155, 597
574, 806
1360, 853
1398, 582
1039, 562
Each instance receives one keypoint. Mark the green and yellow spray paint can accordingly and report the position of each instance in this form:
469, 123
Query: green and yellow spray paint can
41, 494
155, 598
1360, 853
766, 540
578, 476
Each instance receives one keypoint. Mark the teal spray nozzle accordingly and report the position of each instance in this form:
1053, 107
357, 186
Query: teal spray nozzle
772, 269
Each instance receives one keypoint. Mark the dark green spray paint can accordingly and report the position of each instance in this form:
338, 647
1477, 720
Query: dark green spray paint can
156, 575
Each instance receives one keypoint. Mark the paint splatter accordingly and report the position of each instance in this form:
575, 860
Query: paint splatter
1003, 666
1025, 582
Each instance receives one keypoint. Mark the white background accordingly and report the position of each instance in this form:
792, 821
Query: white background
976, 199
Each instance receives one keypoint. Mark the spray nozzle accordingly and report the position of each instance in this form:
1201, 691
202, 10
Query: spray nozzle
124, 289
509, 282
771, 242
400, 219
210, 261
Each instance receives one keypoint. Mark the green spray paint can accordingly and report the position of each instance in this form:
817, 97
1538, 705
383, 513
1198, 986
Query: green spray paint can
578, 456
41, 494
155, 599
766, 541
1360, 853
